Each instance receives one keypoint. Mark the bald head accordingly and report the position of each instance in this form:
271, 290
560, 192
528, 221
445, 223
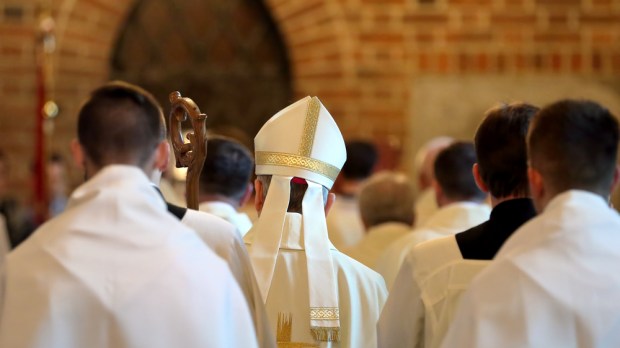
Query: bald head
120, 124
386, 197
425, 160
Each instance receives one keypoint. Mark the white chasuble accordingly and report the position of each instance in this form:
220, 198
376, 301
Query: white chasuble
449, 220
117, 270
554, 283
224, 239
361, 294
425, 294
241, 220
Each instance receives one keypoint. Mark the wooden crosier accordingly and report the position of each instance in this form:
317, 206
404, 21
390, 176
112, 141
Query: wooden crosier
193, 153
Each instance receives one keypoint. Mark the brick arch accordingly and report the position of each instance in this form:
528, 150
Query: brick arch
87, 30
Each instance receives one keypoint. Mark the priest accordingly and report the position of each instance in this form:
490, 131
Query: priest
462, 205
434, 274
315, 295
555, 282
115, 269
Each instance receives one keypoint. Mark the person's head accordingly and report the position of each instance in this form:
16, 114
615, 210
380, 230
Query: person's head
501, 167
454, 181
386, 197
121, 124
56, 174
572, 145
226, 172
425, 160
301, 144
362, 157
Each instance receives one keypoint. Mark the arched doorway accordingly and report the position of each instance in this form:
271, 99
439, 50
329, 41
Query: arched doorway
228, 56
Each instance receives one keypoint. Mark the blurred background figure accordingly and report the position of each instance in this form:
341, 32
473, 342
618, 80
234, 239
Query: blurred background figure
12, 213
386, 207
225, 181
58, 185
344, 223
425, 204
461, 206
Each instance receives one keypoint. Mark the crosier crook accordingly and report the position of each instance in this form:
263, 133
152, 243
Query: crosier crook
193, 153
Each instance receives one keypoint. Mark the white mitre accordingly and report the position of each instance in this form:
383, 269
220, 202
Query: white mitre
300, 141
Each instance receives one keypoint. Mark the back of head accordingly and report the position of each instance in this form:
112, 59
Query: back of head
425, 159
574, 145
227, 168
120, 124
501, 149
386, 197
362, 157
453, 172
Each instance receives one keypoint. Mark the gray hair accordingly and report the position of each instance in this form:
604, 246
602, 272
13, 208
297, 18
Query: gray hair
297, 193
387, 197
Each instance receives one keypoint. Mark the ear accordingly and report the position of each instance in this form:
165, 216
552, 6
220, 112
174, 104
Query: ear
478, 179
258, 198
78, 154
331, 198
537, 187
162, 156
439, 197
249, 189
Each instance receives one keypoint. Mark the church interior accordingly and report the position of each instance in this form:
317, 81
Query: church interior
397, 72
378, 173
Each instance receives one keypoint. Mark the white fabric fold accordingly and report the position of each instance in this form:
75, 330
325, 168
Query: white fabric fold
322, 283
268, 232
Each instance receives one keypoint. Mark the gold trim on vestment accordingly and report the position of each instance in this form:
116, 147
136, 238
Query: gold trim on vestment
312, 119
324, 313
284, 334
325, 334
289, 160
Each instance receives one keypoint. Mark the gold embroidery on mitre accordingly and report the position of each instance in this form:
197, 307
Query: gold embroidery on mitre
288, 160
310, 124
284, 334
324, 313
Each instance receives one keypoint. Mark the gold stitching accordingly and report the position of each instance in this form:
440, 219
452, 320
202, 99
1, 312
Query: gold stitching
310, 124
288, 160
324, 313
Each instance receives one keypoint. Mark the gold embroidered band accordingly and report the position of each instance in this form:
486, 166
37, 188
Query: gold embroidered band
324, 313
289, 160
312, 119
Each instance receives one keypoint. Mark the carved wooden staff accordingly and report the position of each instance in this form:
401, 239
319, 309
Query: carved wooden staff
193, 153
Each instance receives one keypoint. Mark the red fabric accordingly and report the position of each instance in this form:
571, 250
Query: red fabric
39, 189
297, 180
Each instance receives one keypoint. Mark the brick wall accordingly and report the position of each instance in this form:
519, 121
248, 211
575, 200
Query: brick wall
359, 56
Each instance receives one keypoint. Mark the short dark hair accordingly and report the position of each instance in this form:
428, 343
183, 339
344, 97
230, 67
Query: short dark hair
501, 149
362, 157
453, 172
298, 191
120, 123
574, 145
227, 168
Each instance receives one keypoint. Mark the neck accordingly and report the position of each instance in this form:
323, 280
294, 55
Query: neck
214, 197
496, 201
446, 201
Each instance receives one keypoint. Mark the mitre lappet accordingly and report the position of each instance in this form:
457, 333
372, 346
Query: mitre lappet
301, 141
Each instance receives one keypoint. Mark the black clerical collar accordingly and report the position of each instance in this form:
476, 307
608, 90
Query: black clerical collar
484, 241
175, 210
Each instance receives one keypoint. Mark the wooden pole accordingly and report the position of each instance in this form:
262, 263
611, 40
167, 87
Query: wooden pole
193, 153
